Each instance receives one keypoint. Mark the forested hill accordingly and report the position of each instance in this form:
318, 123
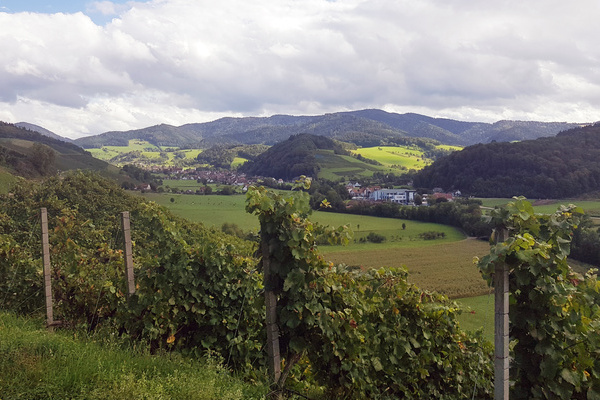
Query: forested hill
564, 166
292, 157
30, 154
364, 128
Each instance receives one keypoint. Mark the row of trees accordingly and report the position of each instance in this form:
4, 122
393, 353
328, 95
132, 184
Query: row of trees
462, 213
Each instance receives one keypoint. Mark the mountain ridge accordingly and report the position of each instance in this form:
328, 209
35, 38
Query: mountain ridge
367, 127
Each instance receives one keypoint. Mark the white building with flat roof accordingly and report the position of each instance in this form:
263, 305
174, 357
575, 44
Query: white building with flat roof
399, 196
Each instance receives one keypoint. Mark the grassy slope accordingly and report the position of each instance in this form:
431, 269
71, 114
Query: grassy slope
6, 180
215, 210
36, 364
402, 156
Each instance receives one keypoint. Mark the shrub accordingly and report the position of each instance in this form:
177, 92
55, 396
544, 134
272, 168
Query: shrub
375, 237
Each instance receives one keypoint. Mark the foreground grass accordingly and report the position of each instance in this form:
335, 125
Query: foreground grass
36, 364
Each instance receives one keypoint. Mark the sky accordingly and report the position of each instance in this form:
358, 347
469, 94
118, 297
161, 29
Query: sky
81, 68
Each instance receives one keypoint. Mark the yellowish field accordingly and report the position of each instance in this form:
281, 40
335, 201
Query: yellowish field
447, 268
411, 158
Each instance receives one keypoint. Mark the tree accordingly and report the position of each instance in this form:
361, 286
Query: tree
42, 158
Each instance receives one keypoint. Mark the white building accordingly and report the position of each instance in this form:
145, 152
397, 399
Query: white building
400, 196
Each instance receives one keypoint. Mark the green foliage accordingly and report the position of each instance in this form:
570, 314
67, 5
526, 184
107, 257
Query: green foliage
193, 285
432, 235
359, 334
554, 312
375, 237
463, 213
219, 156
362, 334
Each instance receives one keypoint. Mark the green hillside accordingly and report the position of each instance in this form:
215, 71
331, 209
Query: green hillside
565, 166
32, 155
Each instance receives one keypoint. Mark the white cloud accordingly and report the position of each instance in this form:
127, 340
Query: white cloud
177, 61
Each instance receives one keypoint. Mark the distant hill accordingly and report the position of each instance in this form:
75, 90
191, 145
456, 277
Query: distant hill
43, 131
364, 128
293, 157
564, 166
30, 154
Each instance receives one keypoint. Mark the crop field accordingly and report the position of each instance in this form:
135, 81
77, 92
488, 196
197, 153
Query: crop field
447, 268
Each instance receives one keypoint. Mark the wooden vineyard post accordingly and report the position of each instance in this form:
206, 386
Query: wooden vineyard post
274, 359
47, 269
128, 253
501, 338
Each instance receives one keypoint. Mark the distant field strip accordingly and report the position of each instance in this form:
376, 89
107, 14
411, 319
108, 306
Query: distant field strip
446, 268
591, 207
399, 156
148, 150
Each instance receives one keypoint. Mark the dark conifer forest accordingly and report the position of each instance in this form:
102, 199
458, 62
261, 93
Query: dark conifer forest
564, 166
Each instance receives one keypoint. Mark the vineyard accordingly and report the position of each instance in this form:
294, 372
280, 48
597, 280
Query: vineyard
342, 332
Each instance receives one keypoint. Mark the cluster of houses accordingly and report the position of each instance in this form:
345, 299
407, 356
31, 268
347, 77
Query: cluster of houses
356, 191
207, 176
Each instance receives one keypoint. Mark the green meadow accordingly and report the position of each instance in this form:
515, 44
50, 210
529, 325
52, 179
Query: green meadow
591, 207
215, 210
335, 167
408, 157
148, 151
478, 313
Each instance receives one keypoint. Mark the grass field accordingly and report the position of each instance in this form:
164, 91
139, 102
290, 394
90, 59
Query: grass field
444, 265
478, 313
591, 207
37, 364
410, 158
215, 210
334, 167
